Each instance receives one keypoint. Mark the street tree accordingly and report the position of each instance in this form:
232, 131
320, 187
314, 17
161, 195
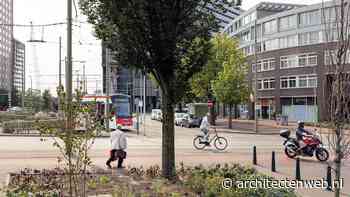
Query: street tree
201, 82
336, 21
168, 39
230, 87
47, 101
33, 100
16, 97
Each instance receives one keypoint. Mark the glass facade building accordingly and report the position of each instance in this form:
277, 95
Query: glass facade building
6, 51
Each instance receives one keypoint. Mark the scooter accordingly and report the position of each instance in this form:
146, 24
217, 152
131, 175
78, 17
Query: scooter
314, 147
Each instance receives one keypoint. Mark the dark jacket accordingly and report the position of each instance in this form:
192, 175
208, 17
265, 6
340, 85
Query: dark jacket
301, 132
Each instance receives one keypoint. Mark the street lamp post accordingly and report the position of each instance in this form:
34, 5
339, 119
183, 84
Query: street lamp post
108, 70
255, 77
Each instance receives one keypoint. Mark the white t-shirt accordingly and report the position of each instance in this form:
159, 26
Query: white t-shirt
118, 140
205, 124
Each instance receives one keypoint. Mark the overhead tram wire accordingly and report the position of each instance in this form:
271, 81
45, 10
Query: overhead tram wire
42, 25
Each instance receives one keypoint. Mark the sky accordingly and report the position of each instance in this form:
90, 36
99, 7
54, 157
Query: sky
86, 48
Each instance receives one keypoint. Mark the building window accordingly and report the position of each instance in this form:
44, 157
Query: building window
265, 65
288, 62
270, 45
312, 81
329, 14
288, 41
246, 36
305, 81
288, 22
270, 27
249, 18
294, 61
309, 38
284, 82
309, 18
292, 82
266, 84
288, 82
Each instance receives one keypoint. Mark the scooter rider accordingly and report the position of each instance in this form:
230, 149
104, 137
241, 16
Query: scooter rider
301, 133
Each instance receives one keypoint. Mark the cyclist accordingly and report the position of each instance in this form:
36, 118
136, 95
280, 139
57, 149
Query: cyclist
204, 128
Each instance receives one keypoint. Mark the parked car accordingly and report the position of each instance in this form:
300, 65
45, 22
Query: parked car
154, 114
15, 109
190, 121
178, 118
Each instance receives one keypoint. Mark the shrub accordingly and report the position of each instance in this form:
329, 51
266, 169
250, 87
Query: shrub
27, 125
208, 182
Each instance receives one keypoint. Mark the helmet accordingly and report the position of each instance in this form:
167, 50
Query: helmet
300, 124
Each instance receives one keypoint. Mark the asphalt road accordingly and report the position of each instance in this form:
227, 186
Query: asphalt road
145, 150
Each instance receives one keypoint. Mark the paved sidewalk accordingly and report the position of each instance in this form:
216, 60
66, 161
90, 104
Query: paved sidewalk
264, 126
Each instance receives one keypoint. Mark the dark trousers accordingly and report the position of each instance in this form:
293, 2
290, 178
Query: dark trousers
113, 158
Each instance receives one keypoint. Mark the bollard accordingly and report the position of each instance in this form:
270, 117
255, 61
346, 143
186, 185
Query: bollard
273, 162
329, 178
254, 155
297, 170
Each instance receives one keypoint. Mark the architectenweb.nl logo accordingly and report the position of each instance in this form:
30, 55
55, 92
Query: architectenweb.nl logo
282, 183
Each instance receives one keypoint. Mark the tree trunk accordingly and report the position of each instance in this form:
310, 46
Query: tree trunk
179, 108
338, 158
230, 118
212, 114
224, 110
168, 149
235, 111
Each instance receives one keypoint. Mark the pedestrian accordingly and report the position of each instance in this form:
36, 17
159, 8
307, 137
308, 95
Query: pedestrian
118, 147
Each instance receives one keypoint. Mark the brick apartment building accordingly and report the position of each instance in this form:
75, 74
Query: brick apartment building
291, 63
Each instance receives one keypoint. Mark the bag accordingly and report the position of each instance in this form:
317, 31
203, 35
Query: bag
120, 154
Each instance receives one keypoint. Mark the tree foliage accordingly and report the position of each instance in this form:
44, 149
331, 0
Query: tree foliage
74, 142
168, 39
47, 101
230, 86
16, 97
219, 53
33, 100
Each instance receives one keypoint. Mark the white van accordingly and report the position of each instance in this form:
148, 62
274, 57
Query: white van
155, 114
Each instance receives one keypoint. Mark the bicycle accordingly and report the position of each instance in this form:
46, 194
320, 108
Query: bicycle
220, 143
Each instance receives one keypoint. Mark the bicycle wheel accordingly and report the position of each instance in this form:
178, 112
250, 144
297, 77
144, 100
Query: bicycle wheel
220, 143
197, 143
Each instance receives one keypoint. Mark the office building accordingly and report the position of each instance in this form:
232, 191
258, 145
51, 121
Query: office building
226, 16
18, 68
125, 80
287, 51
6, 36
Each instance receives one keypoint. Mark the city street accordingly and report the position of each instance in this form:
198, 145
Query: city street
30, 152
